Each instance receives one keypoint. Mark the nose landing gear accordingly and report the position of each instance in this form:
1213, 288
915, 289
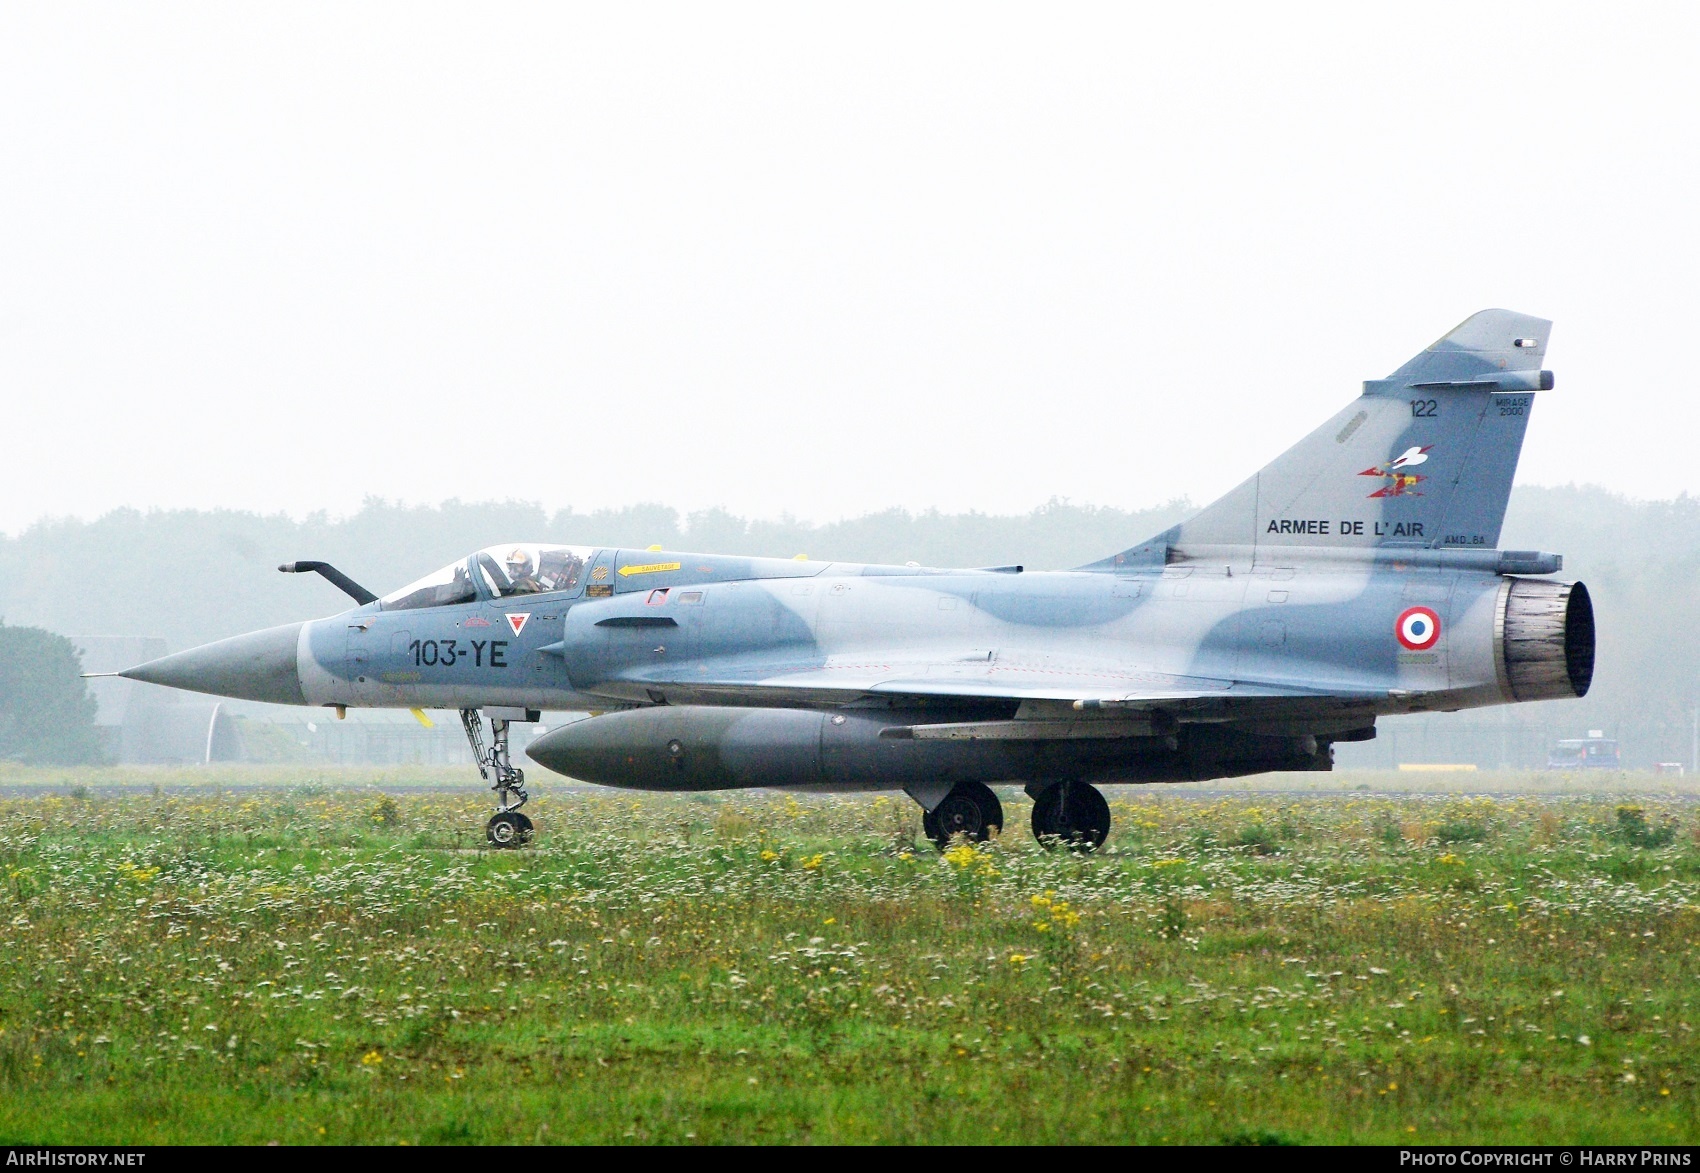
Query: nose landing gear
507, 827
1071, 814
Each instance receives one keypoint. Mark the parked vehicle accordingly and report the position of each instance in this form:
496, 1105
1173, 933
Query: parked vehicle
1593, 752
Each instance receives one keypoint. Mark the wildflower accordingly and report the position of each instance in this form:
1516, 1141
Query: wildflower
371, 1059
1018, 958
812, 864
768, 855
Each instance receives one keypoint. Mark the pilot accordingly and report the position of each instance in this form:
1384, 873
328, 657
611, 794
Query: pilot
522, 573
559, 569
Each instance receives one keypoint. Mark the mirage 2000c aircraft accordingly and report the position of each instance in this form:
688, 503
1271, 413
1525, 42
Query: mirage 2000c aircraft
1356, 576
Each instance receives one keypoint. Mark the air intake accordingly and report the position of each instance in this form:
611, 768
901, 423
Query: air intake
1547, 640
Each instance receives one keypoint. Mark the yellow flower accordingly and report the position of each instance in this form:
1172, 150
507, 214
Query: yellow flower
768, 856
1017, 958
371, 1059
960, 856
134, 874
812, 864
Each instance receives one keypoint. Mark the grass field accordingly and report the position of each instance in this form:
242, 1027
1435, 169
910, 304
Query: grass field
325, 962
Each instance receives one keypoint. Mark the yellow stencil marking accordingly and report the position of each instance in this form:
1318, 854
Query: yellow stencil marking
648, 568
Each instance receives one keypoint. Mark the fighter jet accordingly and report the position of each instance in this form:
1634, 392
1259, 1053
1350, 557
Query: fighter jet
1356, 576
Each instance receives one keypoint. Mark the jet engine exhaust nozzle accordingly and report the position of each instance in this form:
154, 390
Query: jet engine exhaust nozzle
1547, 640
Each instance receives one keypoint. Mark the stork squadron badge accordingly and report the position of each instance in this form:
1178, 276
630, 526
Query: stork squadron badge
1399, 482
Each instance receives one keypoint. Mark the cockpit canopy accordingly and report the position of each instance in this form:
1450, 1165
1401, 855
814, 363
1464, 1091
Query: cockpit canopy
495, 572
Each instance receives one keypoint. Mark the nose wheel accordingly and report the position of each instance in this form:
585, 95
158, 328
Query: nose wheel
507, 827
1072, 815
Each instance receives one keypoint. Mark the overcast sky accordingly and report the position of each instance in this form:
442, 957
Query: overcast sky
813, 259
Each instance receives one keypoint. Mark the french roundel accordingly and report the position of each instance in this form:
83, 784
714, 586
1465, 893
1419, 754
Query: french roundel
1418, 629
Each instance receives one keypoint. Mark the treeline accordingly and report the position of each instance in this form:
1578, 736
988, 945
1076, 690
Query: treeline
191, 576
46, 714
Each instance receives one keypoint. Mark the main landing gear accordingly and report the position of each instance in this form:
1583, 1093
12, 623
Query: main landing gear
970, 810
1065, 814
507, 827
1070, 814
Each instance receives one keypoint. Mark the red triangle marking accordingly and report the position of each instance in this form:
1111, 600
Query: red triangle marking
518, 622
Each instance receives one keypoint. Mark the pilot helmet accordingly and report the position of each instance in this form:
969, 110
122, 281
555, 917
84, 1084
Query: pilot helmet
519, 563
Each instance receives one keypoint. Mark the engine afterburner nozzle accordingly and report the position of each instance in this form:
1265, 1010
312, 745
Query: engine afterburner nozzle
259, 666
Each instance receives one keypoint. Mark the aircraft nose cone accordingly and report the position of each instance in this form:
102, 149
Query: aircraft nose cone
259, 666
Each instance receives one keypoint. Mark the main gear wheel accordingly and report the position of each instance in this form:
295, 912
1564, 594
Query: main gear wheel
1072, 815
970, 810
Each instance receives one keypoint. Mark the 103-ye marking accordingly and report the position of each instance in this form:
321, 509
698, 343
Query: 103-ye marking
446, 653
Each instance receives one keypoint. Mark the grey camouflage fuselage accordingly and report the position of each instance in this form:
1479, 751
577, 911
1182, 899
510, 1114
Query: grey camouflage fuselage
1356, 576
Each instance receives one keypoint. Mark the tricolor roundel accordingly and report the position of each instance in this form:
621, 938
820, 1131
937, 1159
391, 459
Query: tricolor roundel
1418, 628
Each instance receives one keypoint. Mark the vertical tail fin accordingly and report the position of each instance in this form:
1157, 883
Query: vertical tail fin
1424, 458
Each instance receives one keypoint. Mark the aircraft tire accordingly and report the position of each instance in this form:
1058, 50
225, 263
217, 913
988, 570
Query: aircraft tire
971, 810
508, 829
1073, 815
